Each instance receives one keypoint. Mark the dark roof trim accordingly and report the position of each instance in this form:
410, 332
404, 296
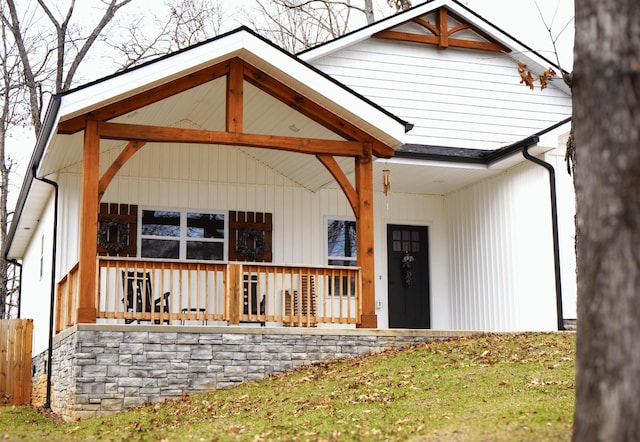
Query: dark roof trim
471, 156
407, 126
34, 163
472, 12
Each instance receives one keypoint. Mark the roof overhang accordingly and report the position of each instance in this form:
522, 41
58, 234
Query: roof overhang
438, 170
241, 43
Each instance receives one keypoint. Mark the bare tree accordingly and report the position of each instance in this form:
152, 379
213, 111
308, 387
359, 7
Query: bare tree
296, 25
35, 64
44, 45
177, 25
606, 122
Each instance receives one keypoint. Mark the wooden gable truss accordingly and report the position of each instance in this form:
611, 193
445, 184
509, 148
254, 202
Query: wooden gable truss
440, 33
357, 144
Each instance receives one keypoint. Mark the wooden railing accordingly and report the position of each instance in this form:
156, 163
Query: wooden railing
66, 299
189, 293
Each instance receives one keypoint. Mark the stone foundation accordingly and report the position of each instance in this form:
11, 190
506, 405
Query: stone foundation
102, 369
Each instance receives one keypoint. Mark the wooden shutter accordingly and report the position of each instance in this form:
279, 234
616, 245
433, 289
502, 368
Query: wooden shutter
242, 222
111, 219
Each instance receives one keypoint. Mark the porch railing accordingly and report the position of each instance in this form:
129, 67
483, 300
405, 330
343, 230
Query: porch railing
178, 292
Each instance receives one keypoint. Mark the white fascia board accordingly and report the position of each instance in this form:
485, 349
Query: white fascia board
243, 44
551, 139
433, 163
150, 75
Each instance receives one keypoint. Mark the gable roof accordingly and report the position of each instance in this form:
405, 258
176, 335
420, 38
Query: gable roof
485, 29
55, 151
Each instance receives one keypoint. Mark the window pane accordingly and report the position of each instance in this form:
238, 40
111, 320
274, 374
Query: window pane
205, 225
205, 250
341, 238
160, 223
160, 248
342, 262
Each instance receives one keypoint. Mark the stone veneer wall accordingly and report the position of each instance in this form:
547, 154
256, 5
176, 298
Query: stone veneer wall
102, 369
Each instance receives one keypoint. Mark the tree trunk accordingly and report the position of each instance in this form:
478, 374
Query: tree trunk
606, 127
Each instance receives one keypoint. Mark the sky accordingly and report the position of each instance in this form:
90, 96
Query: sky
525, 20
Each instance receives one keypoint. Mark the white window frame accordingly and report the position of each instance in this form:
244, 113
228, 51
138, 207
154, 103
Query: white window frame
183, 238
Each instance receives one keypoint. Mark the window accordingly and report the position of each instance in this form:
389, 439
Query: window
341, 251
182, 235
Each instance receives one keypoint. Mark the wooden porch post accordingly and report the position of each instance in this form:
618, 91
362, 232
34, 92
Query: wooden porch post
89, 225
364, 235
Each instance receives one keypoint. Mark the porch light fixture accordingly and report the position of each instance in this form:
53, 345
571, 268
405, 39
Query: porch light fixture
386, 181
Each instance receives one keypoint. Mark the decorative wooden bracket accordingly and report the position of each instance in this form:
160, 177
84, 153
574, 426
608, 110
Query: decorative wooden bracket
441, 34
332, 166
131, 148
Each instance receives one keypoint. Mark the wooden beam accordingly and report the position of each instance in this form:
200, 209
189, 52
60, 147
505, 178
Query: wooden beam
235, 83
234, 292
443, 28
459, 28
365, 236
451, 42
334, 168
131, 148
160, 134
89, 225
145, 98
313, 110
425, 24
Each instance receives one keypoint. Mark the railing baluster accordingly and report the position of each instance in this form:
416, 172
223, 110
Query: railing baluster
316, 294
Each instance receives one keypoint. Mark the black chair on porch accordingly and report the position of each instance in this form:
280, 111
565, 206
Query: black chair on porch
137, 287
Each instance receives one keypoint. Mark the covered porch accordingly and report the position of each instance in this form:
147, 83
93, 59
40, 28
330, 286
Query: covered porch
239, 95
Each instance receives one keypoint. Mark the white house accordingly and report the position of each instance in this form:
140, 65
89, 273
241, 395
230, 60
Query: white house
378, 180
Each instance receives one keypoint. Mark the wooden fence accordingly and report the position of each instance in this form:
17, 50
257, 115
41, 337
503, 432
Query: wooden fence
15, 361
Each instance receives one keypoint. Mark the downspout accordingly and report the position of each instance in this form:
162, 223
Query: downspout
17, 264
47, 403
554, 228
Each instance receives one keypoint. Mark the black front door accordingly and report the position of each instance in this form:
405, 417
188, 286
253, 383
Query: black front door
408, 272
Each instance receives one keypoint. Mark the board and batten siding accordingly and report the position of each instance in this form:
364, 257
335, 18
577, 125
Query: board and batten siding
454, 97
36, 283
501, 253
212, 178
